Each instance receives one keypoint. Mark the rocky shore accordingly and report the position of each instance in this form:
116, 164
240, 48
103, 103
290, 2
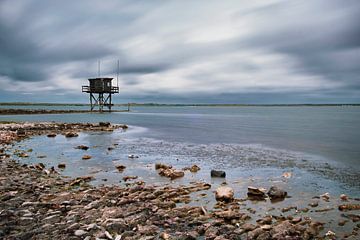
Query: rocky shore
44, 111
39, 203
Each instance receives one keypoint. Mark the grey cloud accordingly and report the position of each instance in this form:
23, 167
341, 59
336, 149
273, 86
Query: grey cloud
323, 36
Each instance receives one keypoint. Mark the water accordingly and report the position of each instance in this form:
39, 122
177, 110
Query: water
318, 146
316, 139
329, 132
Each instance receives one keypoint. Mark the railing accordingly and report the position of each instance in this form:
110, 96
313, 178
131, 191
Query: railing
88, 90
85, 89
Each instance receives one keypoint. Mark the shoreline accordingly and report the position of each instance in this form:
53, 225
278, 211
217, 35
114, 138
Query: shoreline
39, 203
11, 111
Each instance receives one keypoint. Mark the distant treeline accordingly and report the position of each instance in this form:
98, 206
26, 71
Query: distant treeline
180, 104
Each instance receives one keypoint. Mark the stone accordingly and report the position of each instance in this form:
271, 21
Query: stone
162, 166
127, 178
194, 168
348, 207
343, 197
314, 204
265, 220
120, 168
148, 230
325, 197
80, 233
61, 165
164, 236
51, 135
104, 124
171, 173
224, 193
21, 132
276, 193
86, 157
217, 173
258, 193
82, 147
71, 134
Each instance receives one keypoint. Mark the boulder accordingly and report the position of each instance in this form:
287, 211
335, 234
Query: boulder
194, 168
51, 135
224, 193
258, 193
21, 132
86, 157
121, 168
71, 134
276, 193
104, 124
82, 147
61, 165
171, 173
217, 173
162, 166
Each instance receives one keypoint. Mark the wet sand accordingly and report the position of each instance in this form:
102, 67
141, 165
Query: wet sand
38, 202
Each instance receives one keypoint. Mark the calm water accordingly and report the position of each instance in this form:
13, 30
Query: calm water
319, 146
332, 133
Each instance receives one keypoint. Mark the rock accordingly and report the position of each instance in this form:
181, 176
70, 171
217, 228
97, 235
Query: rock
348, 207
21, 133
80, 233
229, 214
104, 124
82, 147
296, 220
194, 168
265, 220
325, 197
287, 174
217, 173
224, 193
276, 193
164, 236
127, 178
61, 165
120, 168
162, 166
342, 222
148, 230
343, 197
256, 193
51, 135
248, 227
255, 233
314, 204
86, 157
71, 134
23, 155
330, 234
171, 173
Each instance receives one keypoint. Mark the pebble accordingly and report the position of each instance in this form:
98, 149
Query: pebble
80, 232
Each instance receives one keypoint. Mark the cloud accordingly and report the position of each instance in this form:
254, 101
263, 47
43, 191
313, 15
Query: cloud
178, 49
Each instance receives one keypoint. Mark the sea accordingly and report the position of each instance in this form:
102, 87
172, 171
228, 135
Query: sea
319, 146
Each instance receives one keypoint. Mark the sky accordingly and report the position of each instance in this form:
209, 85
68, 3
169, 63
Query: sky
204, 51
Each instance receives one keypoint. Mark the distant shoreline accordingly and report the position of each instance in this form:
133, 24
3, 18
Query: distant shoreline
183, 105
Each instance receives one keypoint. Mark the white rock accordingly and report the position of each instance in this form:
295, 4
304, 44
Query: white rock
80, 233
224, 193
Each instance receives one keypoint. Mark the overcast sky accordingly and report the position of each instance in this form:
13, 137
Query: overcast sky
182, 51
